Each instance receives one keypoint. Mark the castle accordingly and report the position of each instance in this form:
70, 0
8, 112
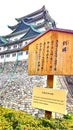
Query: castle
28, 27
15, 84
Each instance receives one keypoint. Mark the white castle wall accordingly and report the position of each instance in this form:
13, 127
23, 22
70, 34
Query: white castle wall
13, 57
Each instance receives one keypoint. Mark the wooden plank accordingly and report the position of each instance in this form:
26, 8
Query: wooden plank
31, 59
50, 82
53, 54
49, 99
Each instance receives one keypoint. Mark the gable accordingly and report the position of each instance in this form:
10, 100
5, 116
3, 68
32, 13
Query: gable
51, 54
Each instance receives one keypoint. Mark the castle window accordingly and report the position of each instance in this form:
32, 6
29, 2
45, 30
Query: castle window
2, 56
25, 43
7, 55
27, 52
14, 54
4, 48
21, 53
15, 46
9, 47
20, 45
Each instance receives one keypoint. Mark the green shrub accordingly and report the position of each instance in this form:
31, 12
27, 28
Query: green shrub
68, 116
17, 120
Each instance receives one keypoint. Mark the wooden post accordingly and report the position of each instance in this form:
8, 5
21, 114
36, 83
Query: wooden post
50, 81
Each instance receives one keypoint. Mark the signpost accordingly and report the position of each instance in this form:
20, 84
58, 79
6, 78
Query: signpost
51, 54
49, 99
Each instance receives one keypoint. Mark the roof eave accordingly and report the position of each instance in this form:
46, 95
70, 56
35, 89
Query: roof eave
15, 34
29, 15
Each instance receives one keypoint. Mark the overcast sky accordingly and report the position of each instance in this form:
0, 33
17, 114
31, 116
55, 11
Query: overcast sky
60, 10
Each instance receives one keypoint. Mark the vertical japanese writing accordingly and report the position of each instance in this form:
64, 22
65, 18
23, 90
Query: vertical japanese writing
39, 55
36, 48
51, 55
37, 59
65, 44
65, 55
55, 55
42, 60
47, 53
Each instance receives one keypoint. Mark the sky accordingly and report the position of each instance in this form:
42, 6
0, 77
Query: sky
60, 10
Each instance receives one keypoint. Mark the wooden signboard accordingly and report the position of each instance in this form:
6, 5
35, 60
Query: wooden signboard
51, 54
49, 99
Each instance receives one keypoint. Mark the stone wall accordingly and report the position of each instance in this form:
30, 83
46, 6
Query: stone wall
16, 88
62, 83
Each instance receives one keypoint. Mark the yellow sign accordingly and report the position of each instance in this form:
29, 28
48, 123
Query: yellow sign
49, 99
51, 54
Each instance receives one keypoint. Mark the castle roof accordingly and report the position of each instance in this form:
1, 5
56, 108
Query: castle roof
31, 33
36, 18
32, 14
33, 17
21, 26
13, 27
27, 25
3, 40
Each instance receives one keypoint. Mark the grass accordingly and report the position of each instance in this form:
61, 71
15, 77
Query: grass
17, 120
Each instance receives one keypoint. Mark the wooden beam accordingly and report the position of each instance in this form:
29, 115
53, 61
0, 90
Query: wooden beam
50, 81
